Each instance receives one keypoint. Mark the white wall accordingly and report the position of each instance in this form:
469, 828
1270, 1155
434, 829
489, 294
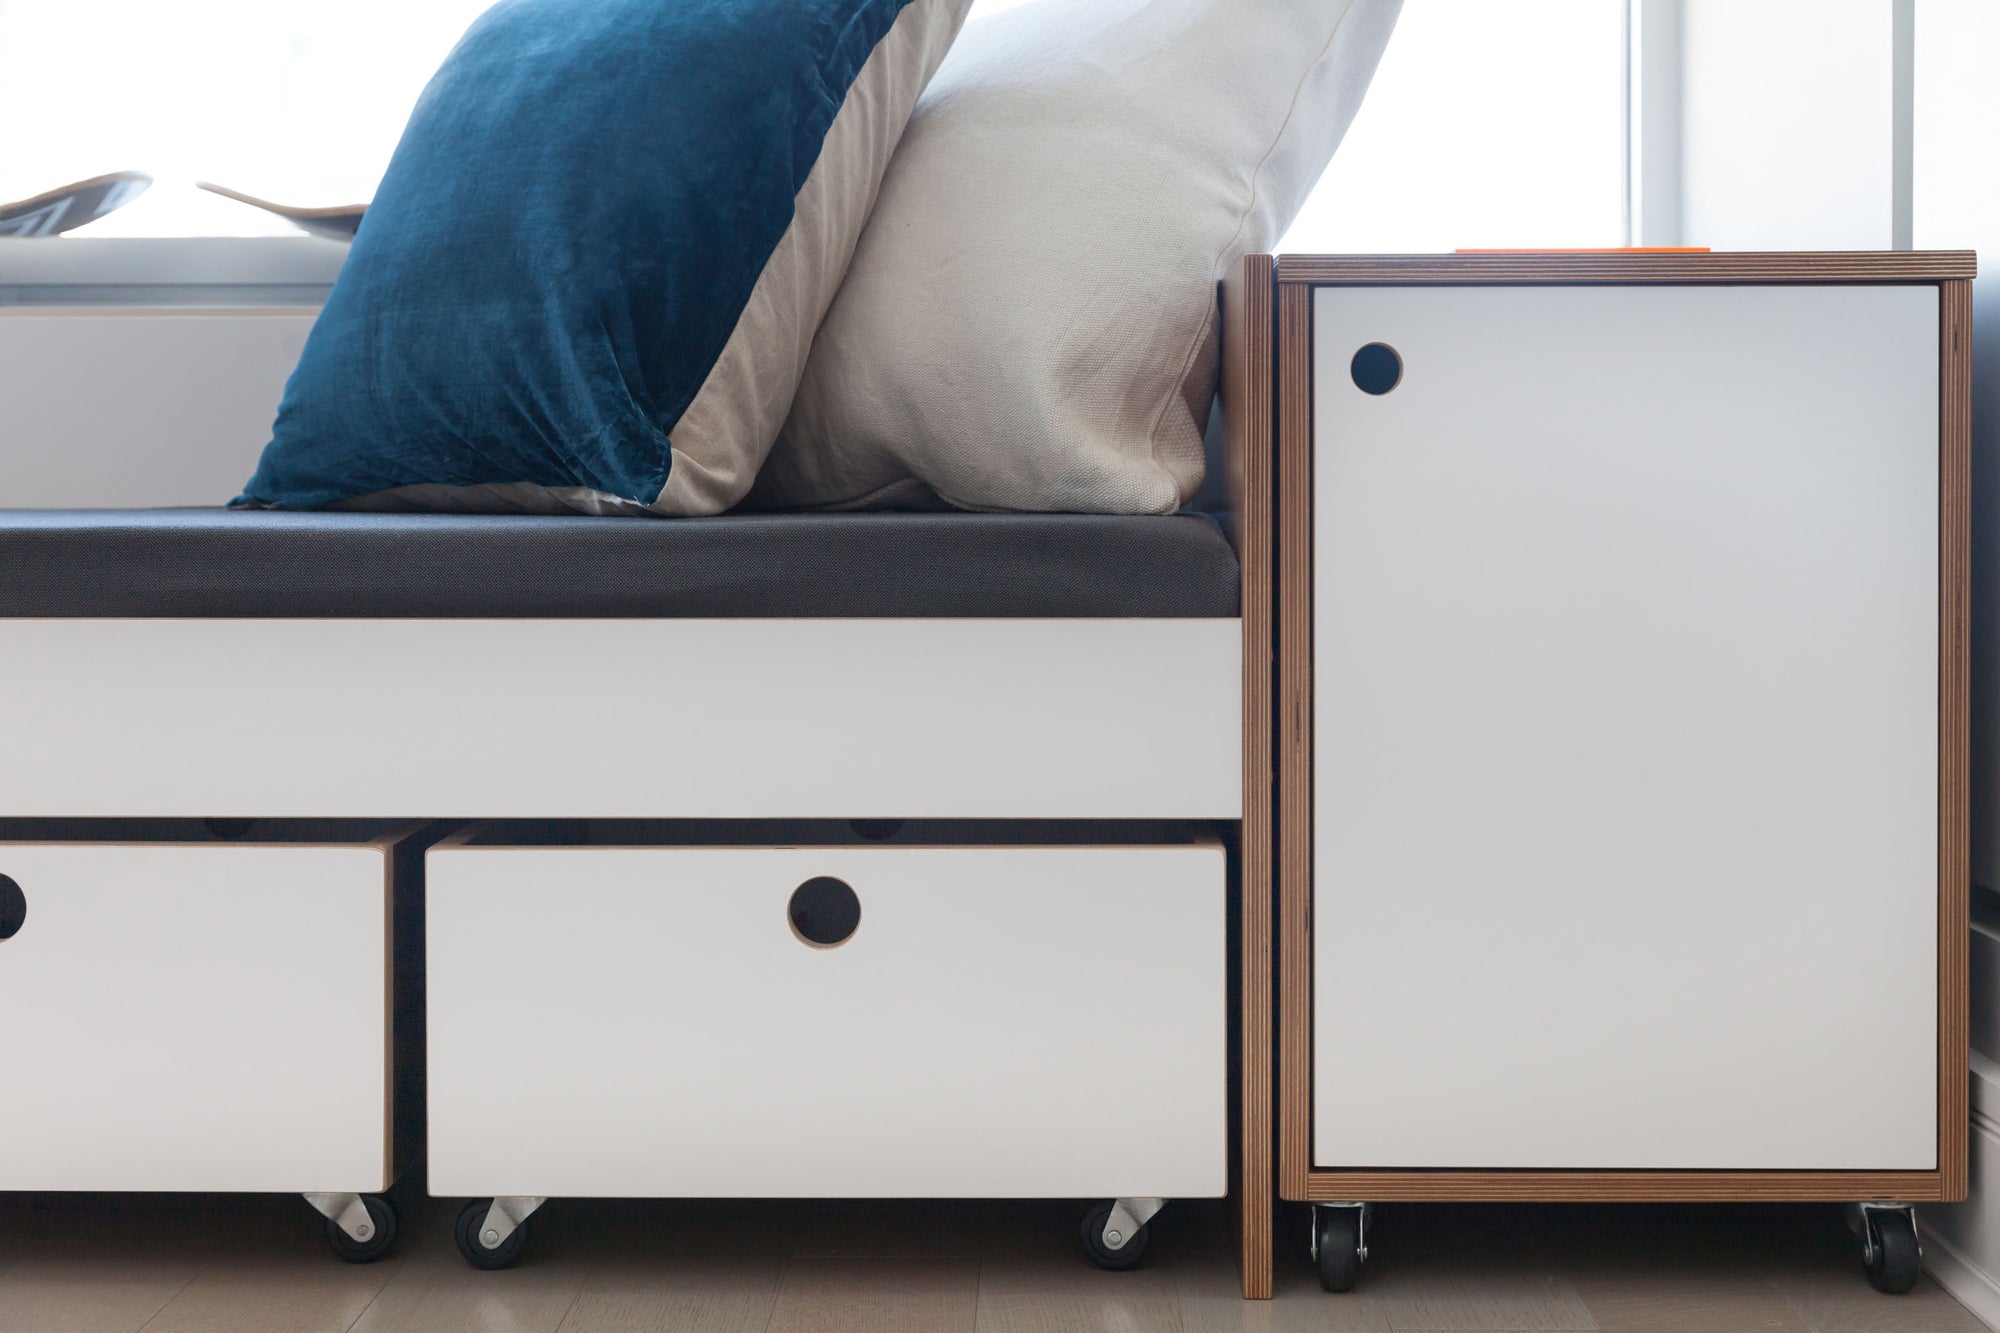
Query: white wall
1786, 124
115, 408
1956, 204
1454, 146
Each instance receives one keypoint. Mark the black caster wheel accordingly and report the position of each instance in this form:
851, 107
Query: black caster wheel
476, 1251
1889, 1252
382, 1218
1337, 1247
1125, 1256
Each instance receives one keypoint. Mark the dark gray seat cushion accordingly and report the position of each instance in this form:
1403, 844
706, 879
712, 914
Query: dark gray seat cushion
218, 563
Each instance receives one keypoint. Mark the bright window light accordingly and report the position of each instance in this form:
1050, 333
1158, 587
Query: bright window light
300, 101
1487, 125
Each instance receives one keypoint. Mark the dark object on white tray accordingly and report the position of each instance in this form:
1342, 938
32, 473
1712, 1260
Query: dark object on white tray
70, 206
336, 222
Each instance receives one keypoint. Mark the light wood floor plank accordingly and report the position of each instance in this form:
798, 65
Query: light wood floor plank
1682, 1300
1058, 1295
306, 1293
1485, 1298
876, 1296
82, 1263
678, 1294
1842, 1302
440, 1293
89, 1295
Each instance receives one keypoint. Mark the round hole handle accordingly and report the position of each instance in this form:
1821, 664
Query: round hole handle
824, 912
13, 908
1376, 368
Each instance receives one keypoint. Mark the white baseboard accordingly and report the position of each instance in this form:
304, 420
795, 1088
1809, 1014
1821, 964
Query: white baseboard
1968, 1285
1961, 1241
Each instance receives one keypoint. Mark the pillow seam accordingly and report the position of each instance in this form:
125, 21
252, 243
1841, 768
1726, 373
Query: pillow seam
1242, 220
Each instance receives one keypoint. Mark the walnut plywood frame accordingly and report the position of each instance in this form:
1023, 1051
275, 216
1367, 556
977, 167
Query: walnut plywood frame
1294, 602
1951, 272
1248, 382
1925, 266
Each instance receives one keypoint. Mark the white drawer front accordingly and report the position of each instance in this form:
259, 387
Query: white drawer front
1004, 1022
1625, 728
195, 1018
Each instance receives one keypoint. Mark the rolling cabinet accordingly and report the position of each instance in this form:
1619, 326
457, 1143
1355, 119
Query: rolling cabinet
209, 1006
1622, 838
837, 1017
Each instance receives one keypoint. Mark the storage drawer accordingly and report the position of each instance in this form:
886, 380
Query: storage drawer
649, 1020
184, 1012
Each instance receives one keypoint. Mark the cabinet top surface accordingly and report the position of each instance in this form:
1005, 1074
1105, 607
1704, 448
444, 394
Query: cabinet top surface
1612, 266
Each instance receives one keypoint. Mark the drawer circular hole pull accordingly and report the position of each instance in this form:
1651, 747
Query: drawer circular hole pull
13, 908
824, 912
1377, 368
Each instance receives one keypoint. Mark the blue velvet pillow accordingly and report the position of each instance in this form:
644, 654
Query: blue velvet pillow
591, 275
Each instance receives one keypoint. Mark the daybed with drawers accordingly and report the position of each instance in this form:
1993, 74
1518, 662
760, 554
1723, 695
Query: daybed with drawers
794, 855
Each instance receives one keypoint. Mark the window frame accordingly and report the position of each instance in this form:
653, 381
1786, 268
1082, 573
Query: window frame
261, 271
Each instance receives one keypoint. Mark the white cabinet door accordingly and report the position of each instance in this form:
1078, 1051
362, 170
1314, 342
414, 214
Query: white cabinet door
195, 1018
1625, 728
1010, 1021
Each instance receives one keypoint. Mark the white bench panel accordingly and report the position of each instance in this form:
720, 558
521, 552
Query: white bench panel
1016, 719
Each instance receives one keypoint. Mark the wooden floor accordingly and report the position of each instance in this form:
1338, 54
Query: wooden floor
85, 1263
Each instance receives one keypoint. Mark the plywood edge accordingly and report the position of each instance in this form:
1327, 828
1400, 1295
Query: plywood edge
1613, 267
401, 833
1248, 412
1483, 1186
1299, 1178
376, 847
1293, 484
392, 1148
1954, 728
460, 838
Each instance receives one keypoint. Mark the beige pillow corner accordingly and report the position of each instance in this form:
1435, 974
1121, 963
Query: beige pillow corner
1028, 320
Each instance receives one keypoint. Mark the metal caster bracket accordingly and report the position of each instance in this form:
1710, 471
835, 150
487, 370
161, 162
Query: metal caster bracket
1127, 1216
1364, 1212
347, 1212
507, 1213
1861, 1220
1892, 1252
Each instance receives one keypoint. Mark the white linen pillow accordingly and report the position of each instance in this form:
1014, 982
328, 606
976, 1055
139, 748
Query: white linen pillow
1028, 320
